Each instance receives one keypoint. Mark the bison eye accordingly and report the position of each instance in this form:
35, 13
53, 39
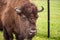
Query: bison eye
37, 17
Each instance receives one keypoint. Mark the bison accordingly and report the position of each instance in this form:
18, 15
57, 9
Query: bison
19, 19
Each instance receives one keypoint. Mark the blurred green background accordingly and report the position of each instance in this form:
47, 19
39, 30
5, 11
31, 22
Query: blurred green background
42, 27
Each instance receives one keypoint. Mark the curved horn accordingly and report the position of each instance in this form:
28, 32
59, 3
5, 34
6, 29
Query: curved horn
41, 9
17, 10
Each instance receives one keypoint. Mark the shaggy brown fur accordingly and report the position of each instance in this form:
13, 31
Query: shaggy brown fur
19, 24
22, 24
3, 5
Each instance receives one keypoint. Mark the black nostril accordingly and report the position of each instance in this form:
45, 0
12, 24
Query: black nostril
33, 29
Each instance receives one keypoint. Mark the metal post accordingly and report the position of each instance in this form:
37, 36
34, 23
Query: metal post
48, 1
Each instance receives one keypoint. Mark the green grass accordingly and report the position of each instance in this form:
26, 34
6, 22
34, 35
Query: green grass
42, 21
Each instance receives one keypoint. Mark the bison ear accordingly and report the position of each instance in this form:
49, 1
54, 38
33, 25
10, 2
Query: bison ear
17, 10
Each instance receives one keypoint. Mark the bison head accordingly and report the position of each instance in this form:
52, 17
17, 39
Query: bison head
30, 11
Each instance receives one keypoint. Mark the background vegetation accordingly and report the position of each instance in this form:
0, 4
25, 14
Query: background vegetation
42, 20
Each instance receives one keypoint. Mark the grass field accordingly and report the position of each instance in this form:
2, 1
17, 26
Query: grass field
42, 21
